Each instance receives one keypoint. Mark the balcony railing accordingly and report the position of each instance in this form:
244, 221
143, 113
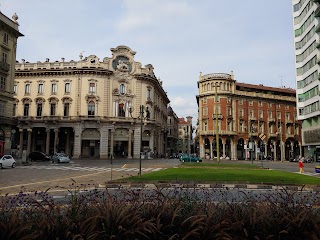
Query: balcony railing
220, 116
271, 119
4, 66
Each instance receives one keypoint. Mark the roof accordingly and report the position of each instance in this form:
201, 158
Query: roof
266, 88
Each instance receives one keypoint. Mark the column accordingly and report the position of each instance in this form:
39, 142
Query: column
29, 130
77, 142
48, 141
255, 150
247, 150
232, 150
211, 149
300, 148
104, 139
130, 144
201, 148
55, 144
111, 143
265, 149
151, 140
281, 151
20, 142
223, 148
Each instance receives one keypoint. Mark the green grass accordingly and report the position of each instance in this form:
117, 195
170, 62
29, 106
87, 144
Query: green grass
226, 173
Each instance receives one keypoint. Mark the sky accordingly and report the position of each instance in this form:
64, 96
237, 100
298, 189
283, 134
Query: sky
180, 38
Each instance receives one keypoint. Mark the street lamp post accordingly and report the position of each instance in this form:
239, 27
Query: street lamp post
141, 117
217, 127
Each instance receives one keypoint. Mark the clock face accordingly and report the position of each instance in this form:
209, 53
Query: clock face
122, 63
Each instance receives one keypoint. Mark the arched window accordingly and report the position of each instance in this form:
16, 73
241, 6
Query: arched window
91, 108
26, 107
122, 89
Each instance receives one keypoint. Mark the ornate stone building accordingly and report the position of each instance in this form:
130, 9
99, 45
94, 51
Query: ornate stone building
9, 34
173, 120
91, 108
252, 120
185, 143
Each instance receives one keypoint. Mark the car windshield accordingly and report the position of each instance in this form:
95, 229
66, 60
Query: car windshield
61, 154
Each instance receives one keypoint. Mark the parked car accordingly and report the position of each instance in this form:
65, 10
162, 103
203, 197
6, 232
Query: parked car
34, 156
190, 158
60, 157
7, 161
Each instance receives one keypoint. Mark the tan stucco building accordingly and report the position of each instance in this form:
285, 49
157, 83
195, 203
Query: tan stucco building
9, 34
91, 107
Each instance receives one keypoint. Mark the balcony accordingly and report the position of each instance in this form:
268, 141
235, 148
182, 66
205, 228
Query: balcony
230, 116
4, 66
220, 116
272, 135
289, 135
271, 119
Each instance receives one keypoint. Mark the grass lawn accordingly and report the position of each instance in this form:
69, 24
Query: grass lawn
224, 173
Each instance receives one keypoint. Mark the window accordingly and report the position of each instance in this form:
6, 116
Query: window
271, 128
278, 105
5, 37
27, 88
241, 127
40, 88
26, 109
241, 112
67, 88
260, 103
14, 109
123, 90
4, 57
269, 105
205, 100
91, 108
66, 109
148, 92
261, 127
54, 88
240, 101
250, 103
229, 125
2, 108
2, 82
260, 113
287, 115
39, 109
15, 89
228, 99
278, 115
269, 114
53, 109
205, 111
229, 111
92, 87
251, 113
287, 107
205, 126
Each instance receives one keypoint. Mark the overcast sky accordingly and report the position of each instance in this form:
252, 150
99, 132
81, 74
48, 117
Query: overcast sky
180, 38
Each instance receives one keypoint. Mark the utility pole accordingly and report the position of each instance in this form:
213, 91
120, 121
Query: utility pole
217, 127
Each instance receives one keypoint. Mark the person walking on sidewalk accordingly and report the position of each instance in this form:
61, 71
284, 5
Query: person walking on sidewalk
301, 166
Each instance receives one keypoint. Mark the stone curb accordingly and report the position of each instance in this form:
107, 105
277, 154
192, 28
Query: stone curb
208, 186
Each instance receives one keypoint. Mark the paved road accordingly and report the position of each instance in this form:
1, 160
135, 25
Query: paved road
39, 176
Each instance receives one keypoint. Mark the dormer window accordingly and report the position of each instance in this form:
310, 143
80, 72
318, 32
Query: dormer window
122, 89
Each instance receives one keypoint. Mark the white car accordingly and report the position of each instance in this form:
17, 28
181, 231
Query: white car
7, 161
60, 157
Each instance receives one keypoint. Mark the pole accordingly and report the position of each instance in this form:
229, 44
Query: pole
217, 127
141, 123
251, 149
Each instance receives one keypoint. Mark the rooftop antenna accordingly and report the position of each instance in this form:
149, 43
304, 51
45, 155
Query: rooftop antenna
281, 80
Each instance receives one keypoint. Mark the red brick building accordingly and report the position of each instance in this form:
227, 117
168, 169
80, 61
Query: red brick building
254, 121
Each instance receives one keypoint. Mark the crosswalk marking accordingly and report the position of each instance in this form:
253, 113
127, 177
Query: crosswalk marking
91, 169
309, 174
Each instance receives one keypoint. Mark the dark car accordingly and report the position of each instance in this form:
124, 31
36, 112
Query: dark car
38, 156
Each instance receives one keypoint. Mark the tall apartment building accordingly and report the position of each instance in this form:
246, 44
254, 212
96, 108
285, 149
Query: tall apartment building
306, 17
185, 141
172, 137
252, 121
9, 34
91, 108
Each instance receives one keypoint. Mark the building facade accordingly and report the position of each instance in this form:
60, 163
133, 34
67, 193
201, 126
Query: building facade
91, 108
9, 34
172, 123
306, 17
185, 142
252, 120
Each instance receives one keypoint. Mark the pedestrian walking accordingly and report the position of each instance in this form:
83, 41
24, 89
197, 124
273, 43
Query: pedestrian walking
301, 166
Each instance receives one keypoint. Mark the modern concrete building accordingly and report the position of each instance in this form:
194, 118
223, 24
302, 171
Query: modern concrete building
172, 140
249, 119
185, 142
306, 17
9, 34
91, 108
